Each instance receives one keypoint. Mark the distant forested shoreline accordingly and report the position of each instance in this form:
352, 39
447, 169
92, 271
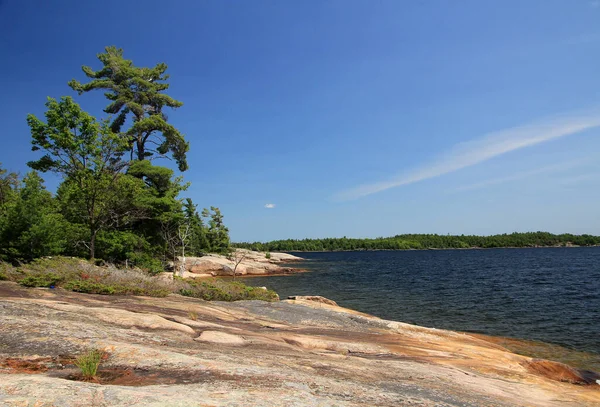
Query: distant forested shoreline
426, 241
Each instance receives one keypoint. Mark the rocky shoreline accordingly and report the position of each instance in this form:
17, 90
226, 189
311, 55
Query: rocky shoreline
307, 351
245, 263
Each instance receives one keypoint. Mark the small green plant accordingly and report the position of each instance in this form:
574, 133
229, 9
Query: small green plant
268, 255
41, 280
88, 363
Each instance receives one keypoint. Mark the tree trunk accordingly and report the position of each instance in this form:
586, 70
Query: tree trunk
140, 148
93, 245
182, 267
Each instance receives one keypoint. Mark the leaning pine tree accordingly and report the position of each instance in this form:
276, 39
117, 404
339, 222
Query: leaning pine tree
137, 92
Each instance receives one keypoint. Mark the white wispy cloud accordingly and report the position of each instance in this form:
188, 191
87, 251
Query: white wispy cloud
487, 147
567, 165
269, 206
580, 178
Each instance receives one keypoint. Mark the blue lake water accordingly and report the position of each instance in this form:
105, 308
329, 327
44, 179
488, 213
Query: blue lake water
546, 294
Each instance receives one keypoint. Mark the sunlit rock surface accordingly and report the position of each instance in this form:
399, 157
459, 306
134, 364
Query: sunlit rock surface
248, 263
179, 351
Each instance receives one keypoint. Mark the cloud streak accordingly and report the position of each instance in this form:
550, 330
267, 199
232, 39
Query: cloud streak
269, 206
485, 148
526, 174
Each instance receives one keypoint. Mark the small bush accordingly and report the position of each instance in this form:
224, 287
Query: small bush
8, 272
124, 288
220, 290
147, 263
187, 292
89, 287
268, 255
88, 363
41, 280
206, 292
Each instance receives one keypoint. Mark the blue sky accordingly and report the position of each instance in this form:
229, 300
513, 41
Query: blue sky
357, 118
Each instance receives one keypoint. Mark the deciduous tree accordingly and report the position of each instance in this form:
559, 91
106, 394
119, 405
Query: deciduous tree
95, 191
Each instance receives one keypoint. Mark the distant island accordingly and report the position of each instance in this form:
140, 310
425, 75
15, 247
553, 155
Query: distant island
426, 241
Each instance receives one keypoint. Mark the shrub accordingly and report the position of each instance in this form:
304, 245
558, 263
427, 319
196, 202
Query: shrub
89, 287
268, 255
146, 262
41, 280
8, 272
220, 290
88, 363
82, 276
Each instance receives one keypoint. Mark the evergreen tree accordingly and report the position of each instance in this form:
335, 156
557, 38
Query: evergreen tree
198, 239
33, 227
137, 92
218, 234
8, 185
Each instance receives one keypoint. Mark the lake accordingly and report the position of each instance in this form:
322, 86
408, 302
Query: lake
542, 294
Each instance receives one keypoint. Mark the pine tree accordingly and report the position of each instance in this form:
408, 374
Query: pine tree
137, 92
33, 227
218, 234
198, 239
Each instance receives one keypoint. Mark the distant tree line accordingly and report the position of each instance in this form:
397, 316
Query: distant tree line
113, 202
426, 241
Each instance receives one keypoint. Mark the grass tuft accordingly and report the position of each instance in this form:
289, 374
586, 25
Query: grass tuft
88, 363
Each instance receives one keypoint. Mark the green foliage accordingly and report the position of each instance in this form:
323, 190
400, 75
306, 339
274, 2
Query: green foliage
221, 290
31, 226
426, 241
90, 287
267, 255
126, 288
9, 182
116, 246
207, 292
137, 92
108, 205
82, 276
45, 272
217, 233
89, 362
41, 280
198, 241
8, 272
74, 142
146, 262
89, 155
